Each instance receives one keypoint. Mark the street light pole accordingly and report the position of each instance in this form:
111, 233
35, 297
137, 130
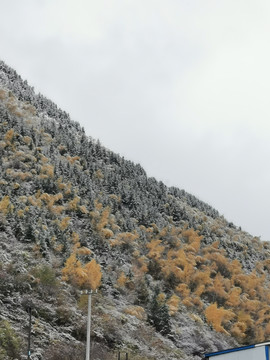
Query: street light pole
88, 326
29, 333
88, 336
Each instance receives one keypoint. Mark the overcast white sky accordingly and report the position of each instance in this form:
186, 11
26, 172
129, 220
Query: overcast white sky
180, 86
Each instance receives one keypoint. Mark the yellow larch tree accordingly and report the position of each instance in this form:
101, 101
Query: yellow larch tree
5, 205
234, 297
173, 303
218, 316
93, 275
155, 249
86, 277
218, 288
122, 280
183, 290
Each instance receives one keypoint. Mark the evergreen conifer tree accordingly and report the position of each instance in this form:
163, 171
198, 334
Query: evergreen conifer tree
158, 315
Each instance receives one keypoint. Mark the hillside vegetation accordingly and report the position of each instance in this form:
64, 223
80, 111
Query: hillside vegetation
174, 278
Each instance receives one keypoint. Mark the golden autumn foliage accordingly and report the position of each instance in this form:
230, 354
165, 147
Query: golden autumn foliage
136, 311
66, 187
180, 265
103, 221
187, 302
107, 234
60, 184
185, 274
84, 251
199, 290
267, 330
75, 237
201, 278
93, 275
244, 317
20, 213
16, 186
83, 209
122, 280
238, 330
126, 238
155, 249
218, 287
234, 297
74, 203
194, 240
197, 302
5, 205
49, 200
3, 94
73, 159
173, 303
27, 140
77, 248
70, 270
142, 261
161, 298
84, 276
183, 290
13, 107
196, 318
47, 171
98, 174
64, 223
218, 317
24, 176
9, 136
219, 261
250, 283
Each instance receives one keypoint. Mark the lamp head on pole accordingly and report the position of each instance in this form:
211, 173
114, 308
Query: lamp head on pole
88, 292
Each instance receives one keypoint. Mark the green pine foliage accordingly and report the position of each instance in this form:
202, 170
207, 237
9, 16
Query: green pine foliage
10, 343
158, 314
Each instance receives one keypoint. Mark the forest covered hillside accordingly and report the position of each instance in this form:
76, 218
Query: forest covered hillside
174, 278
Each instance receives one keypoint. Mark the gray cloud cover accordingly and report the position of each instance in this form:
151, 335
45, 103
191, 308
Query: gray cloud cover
181, 87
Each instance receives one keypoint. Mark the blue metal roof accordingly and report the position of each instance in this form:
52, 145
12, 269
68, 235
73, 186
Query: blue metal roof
229, 350
266, 344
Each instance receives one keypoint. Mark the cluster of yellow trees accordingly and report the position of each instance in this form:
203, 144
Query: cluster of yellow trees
86, 276
207, 282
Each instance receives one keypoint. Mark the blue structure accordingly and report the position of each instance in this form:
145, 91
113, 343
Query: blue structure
250, 352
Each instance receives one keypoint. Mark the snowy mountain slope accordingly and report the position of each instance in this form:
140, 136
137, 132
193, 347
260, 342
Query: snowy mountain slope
178, 280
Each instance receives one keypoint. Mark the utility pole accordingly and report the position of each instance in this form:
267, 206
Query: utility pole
88, 336
29, 333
